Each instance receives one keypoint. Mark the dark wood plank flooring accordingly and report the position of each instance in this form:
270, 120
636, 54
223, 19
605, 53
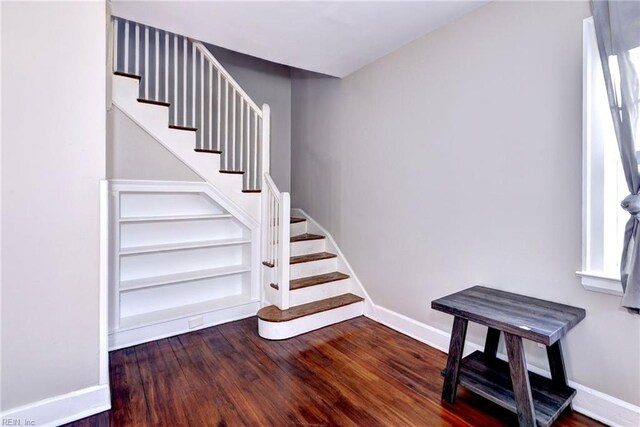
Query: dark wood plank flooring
356, 373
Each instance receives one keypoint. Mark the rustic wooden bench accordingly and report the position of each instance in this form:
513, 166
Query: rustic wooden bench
535, 399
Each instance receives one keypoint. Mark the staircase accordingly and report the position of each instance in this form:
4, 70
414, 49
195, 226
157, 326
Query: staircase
183, 97
319, 294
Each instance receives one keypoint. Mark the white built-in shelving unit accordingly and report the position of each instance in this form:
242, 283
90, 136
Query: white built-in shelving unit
180, 260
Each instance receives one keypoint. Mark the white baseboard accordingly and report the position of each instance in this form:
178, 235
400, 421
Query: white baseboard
592, 403
62, 409
126, 338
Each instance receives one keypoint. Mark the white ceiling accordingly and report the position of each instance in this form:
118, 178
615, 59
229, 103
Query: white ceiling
334, 38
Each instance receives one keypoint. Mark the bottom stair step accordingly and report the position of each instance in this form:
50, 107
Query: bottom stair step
275, 324
274, 314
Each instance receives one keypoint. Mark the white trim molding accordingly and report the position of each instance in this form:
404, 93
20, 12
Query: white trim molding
60, 409
181, 186
104, 284
599, 181
600, 283
592, 403
134, 336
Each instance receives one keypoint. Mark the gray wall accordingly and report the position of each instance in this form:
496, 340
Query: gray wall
53, 158
134, 154
270, 83
457, 160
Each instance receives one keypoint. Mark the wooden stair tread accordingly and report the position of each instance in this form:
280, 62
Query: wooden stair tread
311, 257
305, 237
295, 220
154, 102
131, 76
187, 128
274, 314
205, 150
305, 282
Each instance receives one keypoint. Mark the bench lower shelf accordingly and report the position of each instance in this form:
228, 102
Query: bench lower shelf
492, 380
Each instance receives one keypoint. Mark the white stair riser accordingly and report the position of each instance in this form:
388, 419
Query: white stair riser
308, 247
298, 228
319, 292
313, 268
284, 330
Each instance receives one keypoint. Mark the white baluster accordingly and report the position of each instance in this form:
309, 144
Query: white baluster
126, 46
166, 68
193, 86
115, 45
242, 135
275, 230
272, 227
264, 238
156, 88
255, 151
201, 130
184, 81
219, 111
137, 50
175, 79
210, 103
248, 142
226, 125
268, 226
233, 144
146, 62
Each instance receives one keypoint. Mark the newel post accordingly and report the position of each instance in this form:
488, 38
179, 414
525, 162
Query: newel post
284, 249
264, 161
266, 138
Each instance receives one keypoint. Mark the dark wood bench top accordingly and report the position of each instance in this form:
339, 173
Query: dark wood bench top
532, 318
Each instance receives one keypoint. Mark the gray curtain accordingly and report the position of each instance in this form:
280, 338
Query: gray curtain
617, 25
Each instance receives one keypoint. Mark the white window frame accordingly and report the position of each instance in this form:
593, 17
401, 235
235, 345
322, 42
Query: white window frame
593, 163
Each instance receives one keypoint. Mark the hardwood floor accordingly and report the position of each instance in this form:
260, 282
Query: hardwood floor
356, 373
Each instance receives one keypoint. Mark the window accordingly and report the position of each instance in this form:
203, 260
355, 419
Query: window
604, 185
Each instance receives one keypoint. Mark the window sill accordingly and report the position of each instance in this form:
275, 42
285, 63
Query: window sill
600, 283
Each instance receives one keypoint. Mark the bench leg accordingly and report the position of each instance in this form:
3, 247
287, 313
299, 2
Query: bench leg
520, 380
456, 346
491, 343
556, 365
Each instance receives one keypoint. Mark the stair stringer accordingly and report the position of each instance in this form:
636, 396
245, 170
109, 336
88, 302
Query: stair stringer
154, 119
354, 285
